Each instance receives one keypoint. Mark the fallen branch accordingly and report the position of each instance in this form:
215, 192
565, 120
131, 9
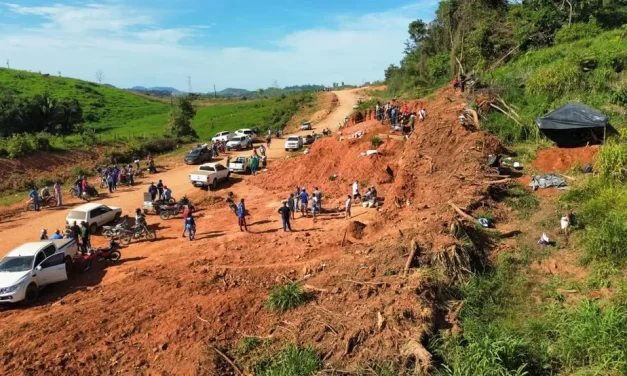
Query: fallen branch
412, 253
497, 181
344, 238
506, 113
203, 320
314, 288
462, 213
228, 360
567, 177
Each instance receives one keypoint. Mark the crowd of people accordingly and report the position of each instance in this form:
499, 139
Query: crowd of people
399, 118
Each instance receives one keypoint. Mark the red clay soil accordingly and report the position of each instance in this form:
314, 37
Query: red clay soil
564, 159
163, 308
330, 157
43, 165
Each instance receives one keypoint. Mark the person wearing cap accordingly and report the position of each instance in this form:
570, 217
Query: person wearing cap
167, 193
285, 215
241, 216
44, 235
152, 189
160, 189
57, 235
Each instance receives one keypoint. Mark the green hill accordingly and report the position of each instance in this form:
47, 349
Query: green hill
102, 106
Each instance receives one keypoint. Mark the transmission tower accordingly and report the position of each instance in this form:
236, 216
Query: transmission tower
189, 84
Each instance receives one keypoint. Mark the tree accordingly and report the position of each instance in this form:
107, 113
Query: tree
180, 124
99, 76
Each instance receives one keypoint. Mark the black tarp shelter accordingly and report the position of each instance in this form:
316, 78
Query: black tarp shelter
573, 124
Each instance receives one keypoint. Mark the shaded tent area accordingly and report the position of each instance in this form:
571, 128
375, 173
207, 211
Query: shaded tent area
574, 125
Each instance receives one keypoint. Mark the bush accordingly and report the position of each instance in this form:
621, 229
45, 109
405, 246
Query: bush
611, 162
247, 344
286, 297
606, 238
555, 79
291, 361
576, 31
375, 141
82, 171
159, 146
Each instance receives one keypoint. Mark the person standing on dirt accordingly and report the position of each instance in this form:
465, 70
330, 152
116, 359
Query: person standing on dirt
304, 201
268, 140
34, 197
297, 197
167, 193
115, 175
110, 183
152, 189
241, 215
318, 195
262, 150
160, 189
291, 203
214, 150
347, 207
84, 234
75, 230
356, 194
254, 164
57, 193
190, 226
285, 216
78, 183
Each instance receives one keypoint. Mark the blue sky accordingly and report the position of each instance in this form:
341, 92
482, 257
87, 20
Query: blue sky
230, 43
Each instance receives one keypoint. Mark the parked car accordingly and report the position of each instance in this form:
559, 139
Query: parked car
306, 126
198, 155
222, 136
308, 139
247, 132
209, 175
31, 266
238, 143
240, 165
293, 143
94, 214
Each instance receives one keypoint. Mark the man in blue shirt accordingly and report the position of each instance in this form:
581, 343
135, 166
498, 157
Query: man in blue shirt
241, 215
34, 197
285, 215
304, 201
56, 235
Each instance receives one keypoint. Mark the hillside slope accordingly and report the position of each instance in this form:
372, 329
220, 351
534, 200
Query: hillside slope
103, 106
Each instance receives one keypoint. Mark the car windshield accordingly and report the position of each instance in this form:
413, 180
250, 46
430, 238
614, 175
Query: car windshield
16, 264
240, 160
237, 139
193, 153
292, 138
77, 214
207, 168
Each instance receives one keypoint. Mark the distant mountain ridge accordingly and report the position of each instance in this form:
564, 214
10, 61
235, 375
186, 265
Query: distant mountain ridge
157, 90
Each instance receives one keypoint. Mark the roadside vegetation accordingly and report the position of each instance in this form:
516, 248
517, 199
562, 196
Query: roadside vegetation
536, 57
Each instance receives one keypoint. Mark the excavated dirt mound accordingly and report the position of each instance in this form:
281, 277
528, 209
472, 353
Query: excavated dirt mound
334, 165
564, 159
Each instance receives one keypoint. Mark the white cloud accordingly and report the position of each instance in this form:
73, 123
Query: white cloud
132, 49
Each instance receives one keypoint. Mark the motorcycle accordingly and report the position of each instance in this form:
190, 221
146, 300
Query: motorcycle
86, 195
167, 211
109, 254
137, 232
48, 201
114, 232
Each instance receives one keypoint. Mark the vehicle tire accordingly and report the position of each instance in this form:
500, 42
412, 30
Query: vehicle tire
72, 192
51, 202
172, 200
214, 185
287, 149
93, 229
151, 235
107, 234
117, 217
86, 266
165, 215
114, 256
32, 292
126, 239
68, 266
248, 171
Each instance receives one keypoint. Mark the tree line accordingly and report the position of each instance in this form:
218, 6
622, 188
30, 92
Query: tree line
476, 36
39, 113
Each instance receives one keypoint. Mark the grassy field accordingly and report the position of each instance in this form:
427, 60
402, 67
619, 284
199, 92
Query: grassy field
122, 115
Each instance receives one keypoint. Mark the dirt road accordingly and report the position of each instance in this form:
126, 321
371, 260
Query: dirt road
28, 226
166, 300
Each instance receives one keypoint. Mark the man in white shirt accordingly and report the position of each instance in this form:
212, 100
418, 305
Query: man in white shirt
356, 190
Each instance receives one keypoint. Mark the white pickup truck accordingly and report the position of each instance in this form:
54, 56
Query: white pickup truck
31, 266
209, 175
240, 165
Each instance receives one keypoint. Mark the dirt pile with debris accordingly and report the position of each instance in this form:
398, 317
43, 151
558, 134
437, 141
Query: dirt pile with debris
334, 165
564, 159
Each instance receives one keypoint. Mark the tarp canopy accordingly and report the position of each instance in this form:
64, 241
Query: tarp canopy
572, 116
